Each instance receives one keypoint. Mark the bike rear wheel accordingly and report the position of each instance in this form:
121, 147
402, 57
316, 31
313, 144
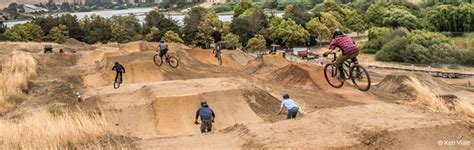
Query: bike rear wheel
118, 82
158, 60
331, 73
360, 77
173, 61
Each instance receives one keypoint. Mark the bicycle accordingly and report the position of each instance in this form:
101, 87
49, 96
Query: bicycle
118, 81
172, 60
352, 70
218, 55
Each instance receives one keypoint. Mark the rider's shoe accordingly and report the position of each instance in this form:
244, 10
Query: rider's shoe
341, 78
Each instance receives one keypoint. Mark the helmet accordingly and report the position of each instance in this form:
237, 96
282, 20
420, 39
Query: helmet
286, 96
336, 33
203, 103
162, 41
116, 62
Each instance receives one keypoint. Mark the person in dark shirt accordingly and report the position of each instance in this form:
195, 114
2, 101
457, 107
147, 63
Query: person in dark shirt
119, 69
216, 35
207, 117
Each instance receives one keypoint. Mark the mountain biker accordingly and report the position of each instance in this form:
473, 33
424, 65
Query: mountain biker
348, 47
207, 117
289, 104
119, 69
216, 35
163, 48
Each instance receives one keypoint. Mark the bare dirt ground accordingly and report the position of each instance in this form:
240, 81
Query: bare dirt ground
155, 106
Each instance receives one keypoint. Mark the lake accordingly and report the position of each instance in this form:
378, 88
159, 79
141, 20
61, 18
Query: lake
139, 12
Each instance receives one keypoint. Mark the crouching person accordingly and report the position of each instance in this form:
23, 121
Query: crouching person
289, 104
207, 117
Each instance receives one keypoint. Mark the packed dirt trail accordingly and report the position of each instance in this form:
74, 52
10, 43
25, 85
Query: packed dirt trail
155, 106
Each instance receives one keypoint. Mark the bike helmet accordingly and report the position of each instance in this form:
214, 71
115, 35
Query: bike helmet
204, 103
286, 96
116, 62
162, 41
336, 33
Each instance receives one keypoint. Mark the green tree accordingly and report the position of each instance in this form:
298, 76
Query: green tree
240, 27
297, 13
156, 19
354, 21
154, 34
374, 15
241, 7
73, 26
59, 34
46, 23
452, 18
397, 17
130, 23
289, 31
172, 37
318, 30
331, 22
231, 40
120, 34
256, 44
24, 32
206, 28
97, 29
191, 22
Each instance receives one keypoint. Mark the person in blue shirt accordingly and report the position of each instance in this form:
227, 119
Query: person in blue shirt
207, 117
289, 104
163, 48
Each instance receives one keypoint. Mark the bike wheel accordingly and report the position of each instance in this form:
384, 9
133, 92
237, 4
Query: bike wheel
219, 60
158, 60
360, 77
331, 73
173, 61
118, 82
116, 85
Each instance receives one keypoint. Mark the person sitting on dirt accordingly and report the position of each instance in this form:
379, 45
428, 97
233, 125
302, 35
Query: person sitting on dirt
207, 117
163, 48
348, 47
289, 104
119, 69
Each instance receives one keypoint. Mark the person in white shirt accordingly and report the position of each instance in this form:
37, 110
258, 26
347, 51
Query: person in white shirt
289, 104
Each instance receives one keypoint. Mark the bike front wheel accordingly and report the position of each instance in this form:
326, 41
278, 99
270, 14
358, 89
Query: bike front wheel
158, 60
360, 77
331, 73
173, 61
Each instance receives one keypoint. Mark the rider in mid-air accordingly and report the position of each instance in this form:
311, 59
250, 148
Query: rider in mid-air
163, 48
348, 47
216, 35
119, 69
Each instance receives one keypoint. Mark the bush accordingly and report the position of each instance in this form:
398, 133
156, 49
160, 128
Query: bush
172, 37
14, 98
55, 109
256, 43
393, 48
221, 8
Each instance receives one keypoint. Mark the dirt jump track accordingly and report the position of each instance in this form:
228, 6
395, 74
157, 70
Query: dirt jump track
156, 105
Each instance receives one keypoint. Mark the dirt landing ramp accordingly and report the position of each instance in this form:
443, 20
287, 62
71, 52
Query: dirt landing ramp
364, 126
168, 108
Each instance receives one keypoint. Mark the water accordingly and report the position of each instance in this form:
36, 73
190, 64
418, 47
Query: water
139, 12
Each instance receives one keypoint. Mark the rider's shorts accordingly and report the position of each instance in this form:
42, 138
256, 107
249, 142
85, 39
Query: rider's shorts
163, 52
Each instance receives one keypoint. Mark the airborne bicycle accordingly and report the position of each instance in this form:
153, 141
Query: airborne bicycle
352, 70
171, 60
118, 81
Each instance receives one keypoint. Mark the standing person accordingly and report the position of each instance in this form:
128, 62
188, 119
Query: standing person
119, 69
348, 47
289, 104
163, 48
207, 117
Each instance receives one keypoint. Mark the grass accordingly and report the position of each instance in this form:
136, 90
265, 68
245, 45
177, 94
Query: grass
464, 42
464, 107
42, 130
14, 98
56, 109
15, 71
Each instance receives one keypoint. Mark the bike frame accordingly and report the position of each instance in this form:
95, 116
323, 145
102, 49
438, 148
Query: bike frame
346, 65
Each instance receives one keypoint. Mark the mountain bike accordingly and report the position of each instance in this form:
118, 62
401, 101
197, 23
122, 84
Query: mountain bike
172, 60
118, 81
352, 70
218, 55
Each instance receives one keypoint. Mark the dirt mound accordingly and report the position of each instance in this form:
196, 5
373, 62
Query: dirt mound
239, 56
291, 75
139, 46
263, 65
75, 45
396, 83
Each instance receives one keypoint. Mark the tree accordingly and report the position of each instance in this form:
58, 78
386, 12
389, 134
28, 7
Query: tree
256, 17
73, 26
397, 17
256, 44
131, 25
25, 32
240, 27
374, 15
318, 30
231, 40
241, 7
297, 13
65, 6
331, 22
153, 35
452, 18
59, 34
354, 21
290, 32
97, 29
158, 20
191, 22
206, 28
46, 23
13, 10
120, 34
172, 37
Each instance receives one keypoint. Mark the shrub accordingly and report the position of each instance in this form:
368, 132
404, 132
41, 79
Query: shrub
221, 8
256, 43
172, 37
394, 47
14, 98
55, 110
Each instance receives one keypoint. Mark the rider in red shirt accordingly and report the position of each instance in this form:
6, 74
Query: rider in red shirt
348, 47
